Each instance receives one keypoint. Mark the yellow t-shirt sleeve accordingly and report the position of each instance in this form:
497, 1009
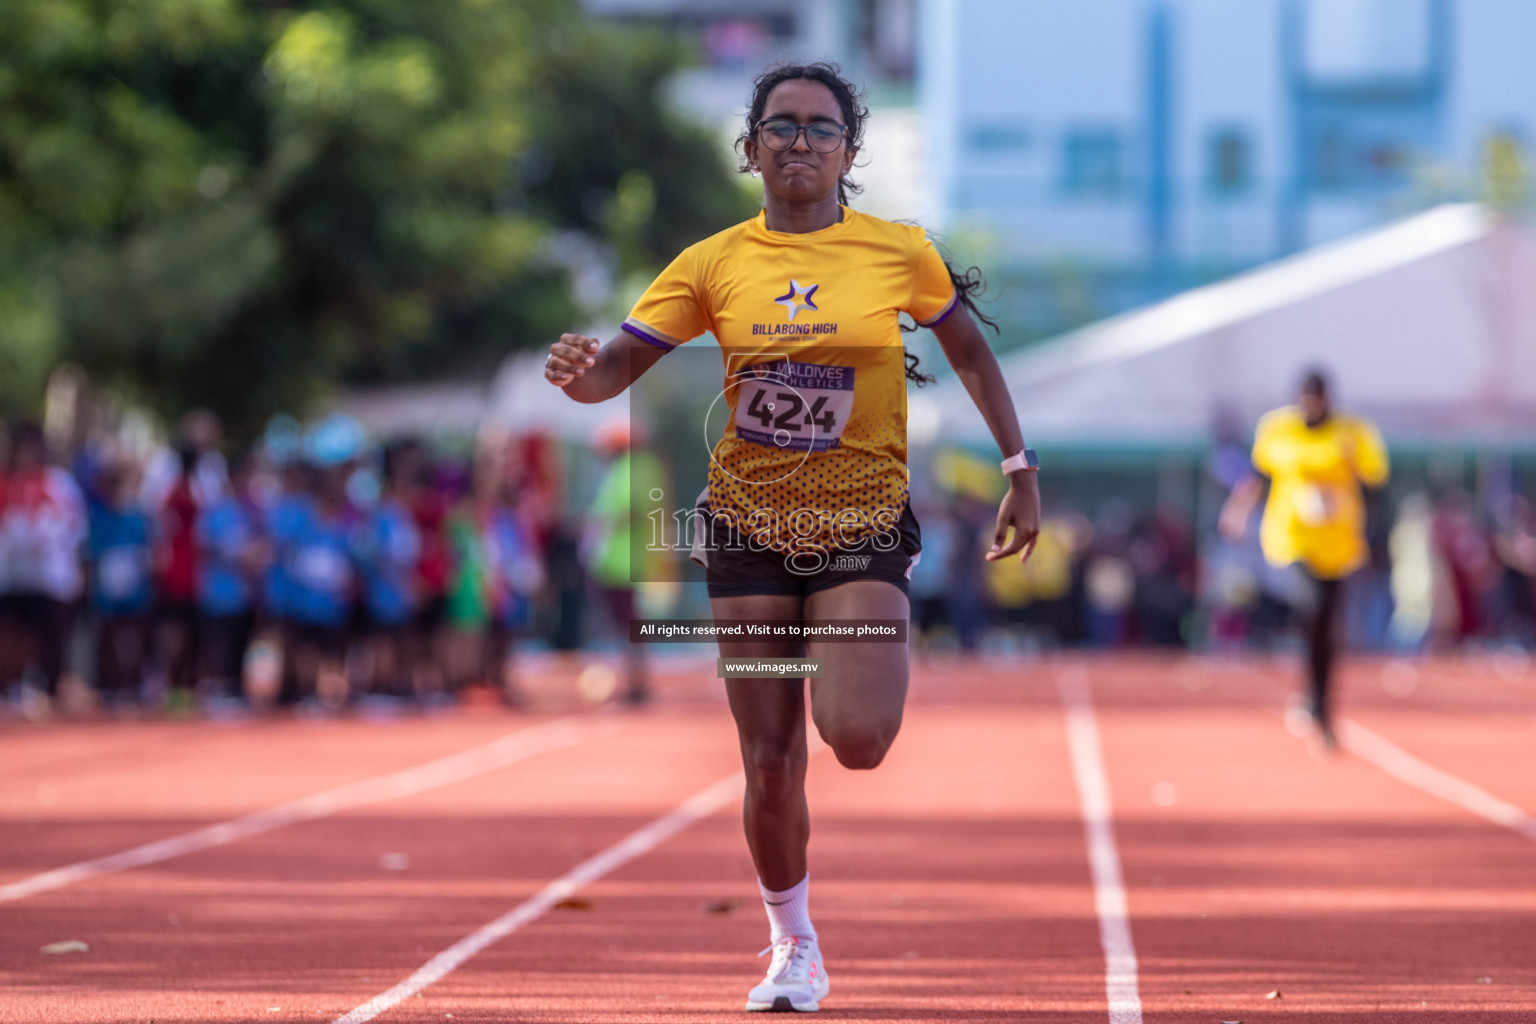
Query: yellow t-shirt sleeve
1264, 447
1371, 463
933, 296
670, 312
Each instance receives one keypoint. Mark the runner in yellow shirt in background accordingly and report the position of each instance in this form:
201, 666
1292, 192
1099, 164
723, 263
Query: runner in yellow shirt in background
1316, 460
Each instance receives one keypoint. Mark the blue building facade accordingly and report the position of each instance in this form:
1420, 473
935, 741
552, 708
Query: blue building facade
1154, 144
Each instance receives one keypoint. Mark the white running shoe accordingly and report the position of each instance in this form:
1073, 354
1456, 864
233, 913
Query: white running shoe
1298, 720
797, 979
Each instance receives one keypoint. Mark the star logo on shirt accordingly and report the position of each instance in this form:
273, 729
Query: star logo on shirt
799, 298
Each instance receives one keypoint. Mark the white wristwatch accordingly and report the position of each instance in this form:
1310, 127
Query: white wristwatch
1026, 459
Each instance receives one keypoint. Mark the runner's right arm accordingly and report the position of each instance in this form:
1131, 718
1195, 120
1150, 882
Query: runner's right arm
1239, 506
1248, 492
589, 373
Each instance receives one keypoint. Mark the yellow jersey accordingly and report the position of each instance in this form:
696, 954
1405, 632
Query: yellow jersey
814, 450
1315, 514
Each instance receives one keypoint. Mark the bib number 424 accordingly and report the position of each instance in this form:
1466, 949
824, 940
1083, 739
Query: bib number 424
796, 406
790, 418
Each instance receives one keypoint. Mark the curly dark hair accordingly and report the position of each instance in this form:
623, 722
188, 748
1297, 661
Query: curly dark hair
850, 101
849, 97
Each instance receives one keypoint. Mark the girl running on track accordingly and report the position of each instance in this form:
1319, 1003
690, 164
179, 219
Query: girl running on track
1316, 460
804, 301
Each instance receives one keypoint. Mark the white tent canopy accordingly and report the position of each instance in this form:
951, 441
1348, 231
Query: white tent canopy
516, 400
1428, 326
433, 408
522, 401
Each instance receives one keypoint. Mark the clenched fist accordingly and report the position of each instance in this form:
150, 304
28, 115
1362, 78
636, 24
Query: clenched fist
569, 358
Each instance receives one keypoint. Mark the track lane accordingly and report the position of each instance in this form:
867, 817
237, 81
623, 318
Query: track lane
519, 745
950, 884
1254, 868
309, 919
87, 811
1436, 737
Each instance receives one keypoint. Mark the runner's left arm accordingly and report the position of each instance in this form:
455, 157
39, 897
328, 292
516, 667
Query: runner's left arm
976, 366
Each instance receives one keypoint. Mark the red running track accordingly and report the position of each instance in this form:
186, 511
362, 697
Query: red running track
953, 883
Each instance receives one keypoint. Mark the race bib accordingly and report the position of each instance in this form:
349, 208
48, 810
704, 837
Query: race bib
1318, 504
796, 406
122, 572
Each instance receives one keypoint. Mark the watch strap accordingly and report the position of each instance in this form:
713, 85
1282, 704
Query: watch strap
1025, 459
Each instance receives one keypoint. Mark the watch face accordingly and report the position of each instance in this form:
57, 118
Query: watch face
1031, 460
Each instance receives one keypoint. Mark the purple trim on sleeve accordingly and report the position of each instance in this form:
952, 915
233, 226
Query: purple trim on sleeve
637, 332
954, 304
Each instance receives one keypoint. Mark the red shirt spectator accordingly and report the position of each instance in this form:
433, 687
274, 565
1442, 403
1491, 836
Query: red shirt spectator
178, 542
429, 509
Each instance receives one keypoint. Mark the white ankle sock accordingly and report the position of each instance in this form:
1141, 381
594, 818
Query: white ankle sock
789, 911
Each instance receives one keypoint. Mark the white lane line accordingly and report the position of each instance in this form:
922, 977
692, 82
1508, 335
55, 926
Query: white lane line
701, 805
1403, 766
519, 746
1120, 980
1392, 759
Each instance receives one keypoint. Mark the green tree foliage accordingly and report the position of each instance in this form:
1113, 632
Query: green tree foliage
235, 204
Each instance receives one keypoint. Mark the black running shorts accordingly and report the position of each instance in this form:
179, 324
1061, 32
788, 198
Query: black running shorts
734, 567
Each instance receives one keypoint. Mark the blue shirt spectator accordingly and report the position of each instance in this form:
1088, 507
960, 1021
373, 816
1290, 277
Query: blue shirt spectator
122, 580
224, 538
284, 519
387, 546
517, 568
320, 573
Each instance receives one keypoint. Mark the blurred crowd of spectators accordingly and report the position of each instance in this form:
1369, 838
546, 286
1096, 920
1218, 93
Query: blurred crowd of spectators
1441, 576
1124, 578
310, 569
316, 568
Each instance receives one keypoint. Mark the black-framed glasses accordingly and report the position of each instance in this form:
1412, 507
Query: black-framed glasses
780, 133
